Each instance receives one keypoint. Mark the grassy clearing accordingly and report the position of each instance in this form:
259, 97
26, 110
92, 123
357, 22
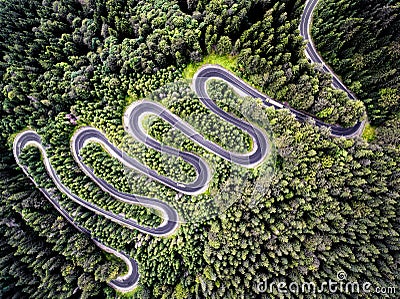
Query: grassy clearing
227, 61
130, 99
369, 133
129, 295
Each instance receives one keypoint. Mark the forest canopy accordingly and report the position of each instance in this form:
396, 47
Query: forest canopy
331, 204
361, 41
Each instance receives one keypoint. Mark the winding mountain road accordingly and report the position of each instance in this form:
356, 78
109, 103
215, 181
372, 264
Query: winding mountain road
217, 72
314, 57
124, 283
133, 126
311, 51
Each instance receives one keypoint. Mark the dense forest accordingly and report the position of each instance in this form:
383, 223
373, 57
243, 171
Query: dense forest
321, 205
360, 40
